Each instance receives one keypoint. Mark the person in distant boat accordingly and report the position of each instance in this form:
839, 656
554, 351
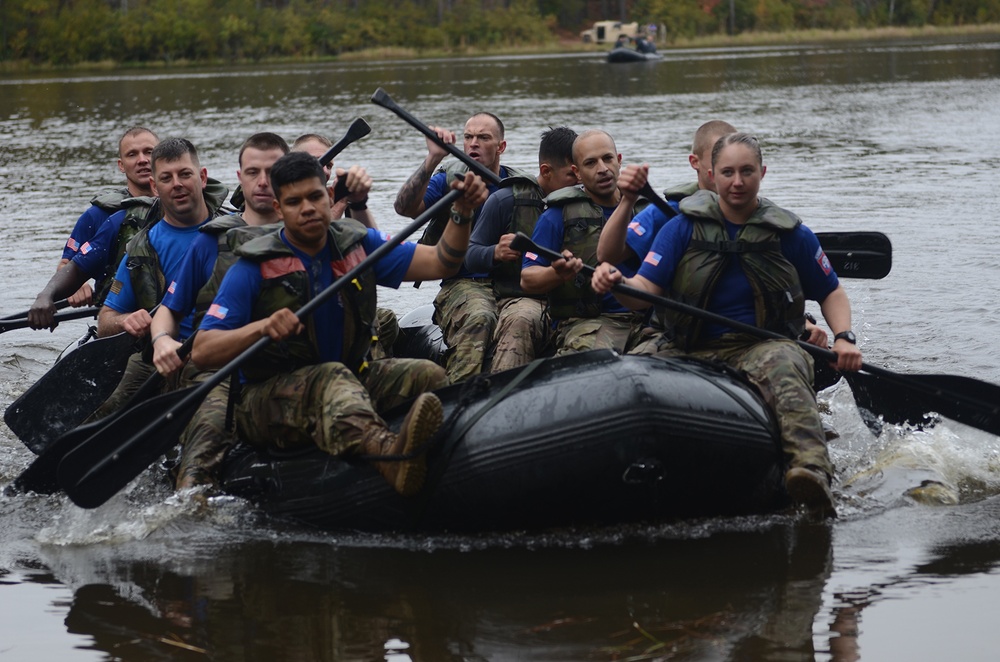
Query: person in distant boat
465, 307
622, 41
629, 237
154, 256
643, 45
522, 328
572, 222
89, 251
354, 206
314, 384
194, 284
736, 254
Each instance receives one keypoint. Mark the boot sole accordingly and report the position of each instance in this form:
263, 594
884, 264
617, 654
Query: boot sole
806, 488
424, 419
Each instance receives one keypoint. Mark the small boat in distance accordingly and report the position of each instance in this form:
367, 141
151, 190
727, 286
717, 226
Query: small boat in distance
623, 54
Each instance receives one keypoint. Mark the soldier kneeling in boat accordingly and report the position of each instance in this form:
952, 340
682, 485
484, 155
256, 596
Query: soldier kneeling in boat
314, 384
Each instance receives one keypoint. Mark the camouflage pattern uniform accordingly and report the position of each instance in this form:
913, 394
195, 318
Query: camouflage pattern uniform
617, 331
522, 332
466, 311
327, 405
388, 331
206, 439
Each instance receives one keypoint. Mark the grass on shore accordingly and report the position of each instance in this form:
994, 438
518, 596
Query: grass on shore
561, 45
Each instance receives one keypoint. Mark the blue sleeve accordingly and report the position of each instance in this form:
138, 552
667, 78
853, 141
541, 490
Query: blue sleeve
84, 230
194, 271
548, 233
232, 307
642, 230
391, 269
436, 188
95, 254
801, 247
121, 298
491, 224
668, 247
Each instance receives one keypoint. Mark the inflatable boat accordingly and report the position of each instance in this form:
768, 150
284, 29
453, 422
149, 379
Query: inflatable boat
588, 439
617, 55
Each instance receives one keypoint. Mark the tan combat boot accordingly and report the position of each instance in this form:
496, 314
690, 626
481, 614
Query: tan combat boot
420, 424
810, 488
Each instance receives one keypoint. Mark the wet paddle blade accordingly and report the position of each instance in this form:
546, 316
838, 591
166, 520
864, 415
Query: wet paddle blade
98, 468
858, 254
69, 392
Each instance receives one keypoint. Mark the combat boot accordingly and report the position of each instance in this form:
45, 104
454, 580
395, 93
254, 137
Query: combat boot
420, 424
810, 488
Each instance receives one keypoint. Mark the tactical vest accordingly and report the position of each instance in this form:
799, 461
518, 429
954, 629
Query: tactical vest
528, 206
583, 220
145, 273
286, 285
678, 193
138, 212
779, 302
435, 228
231, 232
110, 200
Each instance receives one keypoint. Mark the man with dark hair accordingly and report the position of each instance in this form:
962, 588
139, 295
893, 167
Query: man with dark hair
521, 330
314, 383
465, 307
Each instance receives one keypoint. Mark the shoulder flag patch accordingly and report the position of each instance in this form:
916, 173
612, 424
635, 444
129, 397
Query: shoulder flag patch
636, 227
173, 286
531, 256
823, 261
217, 311
86, 248
73, 244
653, 258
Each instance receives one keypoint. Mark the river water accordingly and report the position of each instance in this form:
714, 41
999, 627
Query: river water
898, 137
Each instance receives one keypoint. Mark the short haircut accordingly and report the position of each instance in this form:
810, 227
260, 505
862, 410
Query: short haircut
496, 119
556, 147
707, 134
737, 139
172, 149
134, 131
263, 141
306, 137
294, 167
592, 132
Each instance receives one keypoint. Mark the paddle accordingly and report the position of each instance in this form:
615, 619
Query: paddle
99, 467
70, 391
359, 129
11, 324
62, 303
964, 399
858, 254
382, 98
41, 475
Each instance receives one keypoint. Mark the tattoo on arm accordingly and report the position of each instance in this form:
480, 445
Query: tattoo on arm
448, 256
412, 192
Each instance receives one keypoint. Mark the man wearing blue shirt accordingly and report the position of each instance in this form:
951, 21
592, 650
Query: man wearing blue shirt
313, 384
572, 224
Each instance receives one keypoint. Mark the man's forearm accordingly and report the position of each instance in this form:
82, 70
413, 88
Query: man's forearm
410, 199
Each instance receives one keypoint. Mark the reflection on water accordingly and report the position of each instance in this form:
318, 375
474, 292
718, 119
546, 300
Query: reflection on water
894, 137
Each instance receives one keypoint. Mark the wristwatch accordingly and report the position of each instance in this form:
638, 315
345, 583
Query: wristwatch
848, 336
458, 219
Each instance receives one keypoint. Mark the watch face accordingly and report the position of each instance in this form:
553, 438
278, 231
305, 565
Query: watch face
848, 336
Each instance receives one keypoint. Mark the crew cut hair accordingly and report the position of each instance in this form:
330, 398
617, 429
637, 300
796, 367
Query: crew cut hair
556, 147
294, 167
318, 137
707, 134
496, 119
171, 149
263, 141
134, 130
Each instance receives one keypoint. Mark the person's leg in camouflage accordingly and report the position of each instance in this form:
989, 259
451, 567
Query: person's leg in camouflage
522, 332
466, 311
388, 331
205, 439
136, 372
619, 332
391, 382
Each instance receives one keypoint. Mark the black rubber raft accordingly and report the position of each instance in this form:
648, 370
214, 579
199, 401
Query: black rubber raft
591, 438
618, 55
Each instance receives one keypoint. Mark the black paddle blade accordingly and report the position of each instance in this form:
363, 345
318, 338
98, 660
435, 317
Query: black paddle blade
858, 254
912, 398
69, 392
111, 458
359, 129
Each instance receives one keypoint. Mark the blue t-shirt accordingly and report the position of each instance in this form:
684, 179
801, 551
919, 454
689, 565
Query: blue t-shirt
170, 243
437, 187
194, 271
733, 296
233, 304
549, 233
96, 253
642, 229
84, 230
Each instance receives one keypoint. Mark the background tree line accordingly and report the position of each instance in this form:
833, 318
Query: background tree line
72, 31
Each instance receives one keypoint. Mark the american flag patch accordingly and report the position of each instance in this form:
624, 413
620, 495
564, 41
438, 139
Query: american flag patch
653, 258
636, 227
173, 286
530, 255
86, 248
73, 244
823, 261
217, 311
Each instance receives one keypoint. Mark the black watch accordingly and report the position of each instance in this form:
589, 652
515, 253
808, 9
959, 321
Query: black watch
458, 219
848, 336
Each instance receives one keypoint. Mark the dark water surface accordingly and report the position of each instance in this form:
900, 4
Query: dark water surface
899, 137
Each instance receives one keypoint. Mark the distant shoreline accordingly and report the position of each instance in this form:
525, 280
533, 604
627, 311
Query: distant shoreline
561, 45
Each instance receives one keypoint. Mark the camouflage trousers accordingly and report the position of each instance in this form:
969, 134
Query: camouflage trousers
137, 371
466, 311
783, 373
206, 439
388, 331
522, 332
617, 331
327, 405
